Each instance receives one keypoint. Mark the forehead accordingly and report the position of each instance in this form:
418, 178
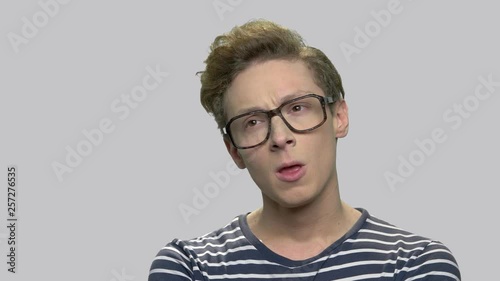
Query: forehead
267, 84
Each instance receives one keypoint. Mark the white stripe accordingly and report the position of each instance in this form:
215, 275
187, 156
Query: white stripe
216, 245
174, 261
234, 250
239, 262
168, 271
436, 251
369, 250
427, 263
356, 263
258, 262
177, 251
355, 241
365, 276
388, 234
259, 276
433, 273
384, 225
205, 237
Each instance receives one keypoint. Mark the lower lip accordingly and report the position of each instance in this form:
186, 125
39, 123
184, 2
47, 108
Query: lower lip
291, 175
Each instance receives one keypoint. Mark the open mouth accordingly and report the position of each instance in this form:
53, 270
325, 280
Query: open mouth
289, 169
290, 173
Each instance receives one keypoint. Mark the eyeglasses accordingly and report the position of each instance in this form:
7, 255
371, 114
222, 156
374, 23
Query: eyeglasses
300, 115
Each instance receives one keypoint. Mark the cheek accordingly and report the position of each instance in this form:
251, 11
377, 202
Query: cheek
321, 139
259, 171
322, 148
257, 163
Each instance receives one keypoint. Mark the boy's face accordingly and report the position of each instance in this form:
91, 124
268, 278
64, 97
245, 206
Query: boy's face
291, 169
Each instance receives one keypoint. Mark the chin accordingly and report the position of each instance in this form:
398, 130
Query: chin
293, 201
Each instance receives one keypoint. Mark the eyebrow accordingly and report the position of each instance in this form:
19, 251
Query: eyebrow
282, 100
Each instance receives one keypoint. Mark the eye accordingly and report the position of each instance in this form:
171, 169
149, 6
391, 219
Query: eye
297, 107
252, 122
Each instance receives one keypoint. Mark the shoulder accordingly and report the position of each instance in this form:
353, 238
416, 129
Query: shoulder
415, 257
171, 263
182, 259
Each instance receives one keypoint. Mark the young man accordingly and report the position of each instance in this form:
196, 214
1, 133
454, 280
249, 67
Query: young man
280, 107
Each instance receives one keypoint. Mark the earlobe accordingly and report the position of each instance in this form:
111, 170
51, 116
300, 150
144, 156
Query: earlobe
342, 119
233, 151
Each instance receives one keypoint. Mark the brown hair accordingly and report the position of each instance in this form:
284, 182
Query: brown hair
258, 41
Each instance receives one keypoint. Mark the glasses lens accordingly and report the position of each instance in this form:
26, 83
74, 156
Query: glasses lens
303, 114
250, 129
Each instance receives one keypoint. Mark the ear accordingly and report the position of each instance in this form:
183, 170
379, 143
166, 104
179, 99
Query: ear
341, 119
233, 151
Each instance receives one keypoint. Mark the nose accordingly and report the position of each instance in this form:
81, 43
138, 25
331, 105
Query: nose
280, 135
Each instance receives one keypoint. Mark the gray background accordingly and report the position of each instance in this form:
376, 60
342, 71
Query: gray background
108, 218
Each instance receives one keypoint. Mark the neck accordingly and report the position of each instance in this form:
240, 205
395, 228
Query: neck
323, 220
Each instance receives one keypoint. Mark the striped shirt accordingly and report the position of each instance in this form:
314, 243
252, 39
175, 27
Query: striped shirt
371, 250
